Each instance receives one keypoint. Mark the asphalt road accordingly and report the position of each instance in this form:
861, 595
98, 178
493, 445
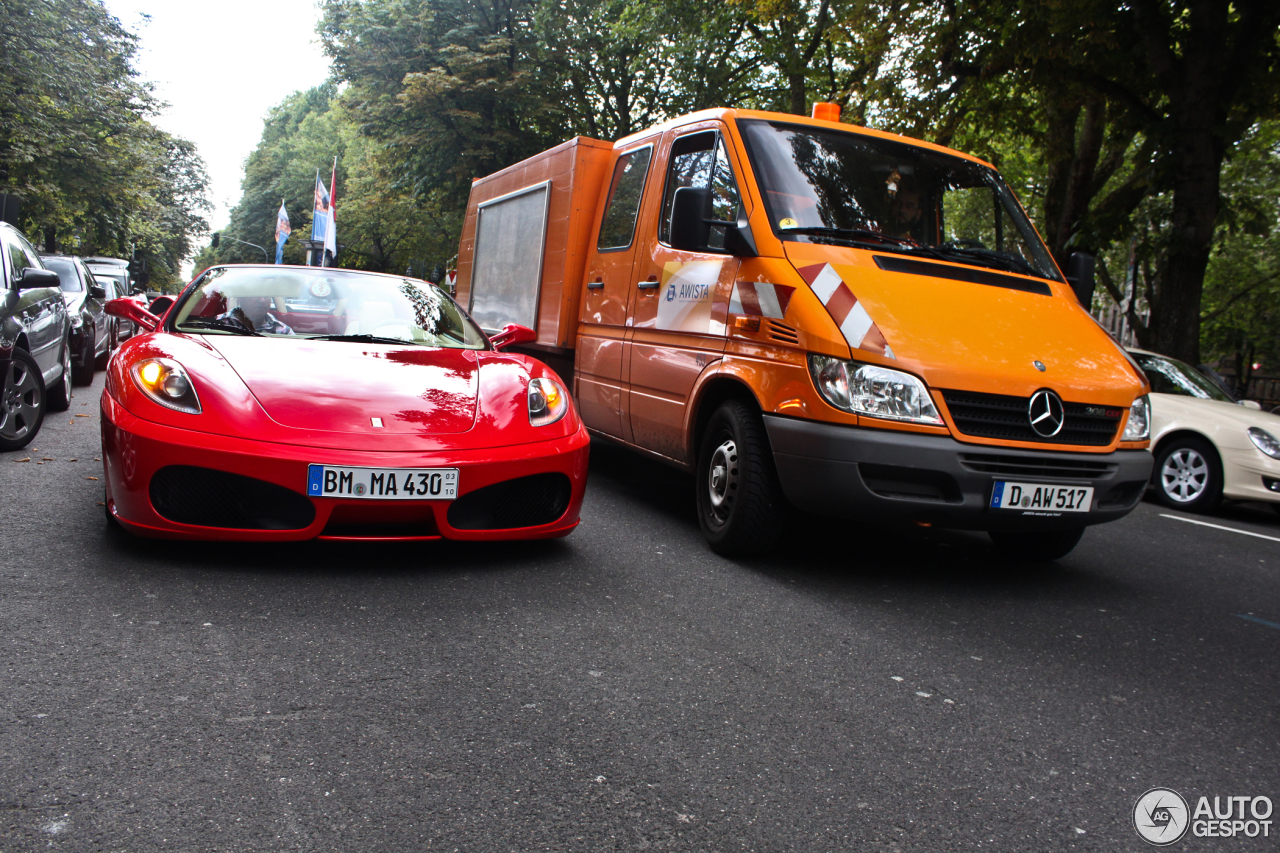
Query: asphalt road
867, 688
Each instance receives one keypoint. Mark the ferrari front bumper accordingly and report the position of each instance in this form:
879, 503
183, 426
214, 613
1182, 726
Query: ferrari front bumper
135, 450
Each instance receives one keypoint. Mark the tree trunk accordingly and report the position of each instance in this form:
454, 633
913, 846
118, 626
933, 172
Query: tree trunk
50, 238
799, 98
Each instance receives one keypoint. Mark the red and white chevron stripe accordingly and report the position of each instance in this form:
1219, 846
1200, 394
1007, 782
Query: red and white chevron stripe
760, 299
855, 323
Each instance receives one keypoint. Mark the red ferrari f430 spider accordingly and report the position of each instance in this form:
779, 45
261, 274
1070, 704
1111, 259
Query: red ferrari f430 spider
284, 403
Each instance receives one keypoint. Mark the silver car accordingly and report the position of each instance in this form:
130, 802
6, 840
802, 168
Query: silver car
35, 341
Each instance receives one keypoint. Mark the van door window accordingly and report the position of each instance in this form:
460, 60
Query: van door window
699, 161
619, 224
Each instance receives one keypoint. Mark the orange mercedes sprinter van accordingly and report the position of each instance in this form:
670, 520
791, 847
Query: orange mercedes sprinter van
798, 310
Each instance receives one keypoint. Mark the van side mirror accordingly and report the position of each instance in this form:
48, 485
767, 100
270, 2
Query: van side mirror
694, 230
689, 226
1080, 276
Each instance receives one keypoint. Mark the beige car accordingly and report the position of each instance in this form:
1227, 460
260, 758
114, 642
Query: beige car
1207, 446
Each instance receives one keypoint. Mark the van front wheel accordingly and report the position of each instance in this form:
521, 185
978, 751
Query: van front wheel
740, 504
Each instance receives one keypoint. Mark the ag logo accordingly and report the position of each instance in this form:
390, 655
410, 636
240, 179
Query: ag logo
1046, 413
1161, 817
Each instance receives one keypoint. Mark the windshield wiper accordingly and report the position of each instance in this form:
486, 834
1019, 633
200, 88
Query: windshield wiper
221, 325
360, 339
993, 259
851, 234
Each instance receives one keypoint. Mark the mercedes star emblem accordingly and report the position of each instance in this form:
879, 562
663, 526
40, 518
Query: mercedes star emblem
1046, 414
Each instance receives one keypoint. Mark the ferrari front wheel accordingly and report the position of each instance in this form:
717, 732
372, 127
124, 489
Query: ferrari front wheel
740, 504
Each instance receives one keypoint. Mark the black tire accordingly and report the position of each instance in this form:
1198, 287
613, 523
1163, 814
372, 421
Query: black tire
112, 342
1193, 479
82, 370
59, 394
1037, 546
22, 401
740, 504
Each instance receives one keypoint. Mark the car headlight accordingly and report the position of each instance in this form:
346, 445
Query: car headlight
166, 382
548, 401
1265, 441
879, 392
1139, 426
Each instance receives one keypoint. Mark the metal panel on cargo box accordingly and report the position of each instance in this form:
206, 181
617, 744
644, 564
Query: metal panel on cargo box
506, 279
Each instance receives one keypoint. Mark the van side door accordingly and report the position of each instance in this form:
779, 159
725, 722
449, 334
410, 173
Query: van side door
599, 385
679, 303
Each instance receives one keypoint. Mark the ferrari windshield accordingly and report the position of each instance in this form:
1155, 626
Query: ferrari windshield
856, 189
1169, 376
325, 304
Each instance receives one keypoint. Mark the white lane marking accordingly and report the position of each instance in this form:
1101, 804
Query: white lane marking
1218, 527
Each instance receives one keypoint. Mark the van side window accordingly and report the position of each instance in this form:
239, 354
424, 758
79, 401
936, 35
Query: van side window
699, 161
619, 223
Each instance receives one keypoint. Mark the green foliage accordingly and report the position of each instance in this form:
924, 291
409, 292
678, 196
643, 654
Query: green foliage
95, 176
1241, 309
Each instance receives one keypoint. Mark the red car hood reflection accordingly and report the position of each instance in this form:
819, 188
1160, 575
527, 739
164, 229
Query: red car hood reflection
334, 385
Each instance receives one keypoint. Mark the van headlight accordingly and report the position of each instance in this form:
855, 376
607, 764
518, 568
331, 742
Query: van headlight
1139, 426
167, 383
1265, 441
878, 392
547, 402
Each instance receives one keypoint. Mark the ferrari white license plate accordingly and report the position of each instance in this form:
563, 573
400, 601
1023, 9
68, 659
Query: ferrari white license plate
1037, 497
383, 484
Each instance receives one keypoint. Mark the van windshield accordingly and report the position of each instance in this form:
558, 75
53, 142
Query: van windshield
854, 189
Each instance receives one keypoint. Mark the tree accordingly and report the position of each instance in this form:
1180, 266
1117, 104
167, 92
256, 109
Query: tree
76, 143
1124, 132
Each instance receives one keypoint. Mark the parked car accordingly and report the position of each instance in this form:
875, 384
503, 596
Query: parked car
1207, 445
114, 274
94, 333
285, 403
35, 341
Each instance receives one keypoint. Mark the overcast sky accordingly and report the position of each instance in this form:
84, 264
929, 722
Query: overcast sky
221, 66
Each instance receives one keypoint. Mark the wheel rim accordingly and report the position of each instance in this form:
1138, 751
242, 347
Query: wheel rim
66, 367
1184, 475
21, 403
722, 479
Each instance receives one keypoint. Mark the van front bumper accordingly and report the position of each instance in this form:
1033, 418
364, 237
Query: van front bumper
859, 472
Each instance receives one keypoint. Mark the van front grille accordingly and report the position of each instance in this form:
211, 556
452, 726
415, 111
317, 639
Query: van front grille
1005, 417
1036, 467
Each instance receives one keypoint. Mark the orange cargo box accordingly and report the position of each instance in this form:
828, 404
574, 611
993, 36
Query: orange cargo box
525, 240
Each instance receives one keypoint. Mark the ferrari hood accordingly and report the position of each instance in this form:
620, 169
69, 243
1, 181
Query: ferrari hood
344, 387
967, 335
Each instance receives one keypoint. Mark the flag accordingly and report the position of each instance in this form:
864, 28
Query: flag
331, 232
320, 215
282, 232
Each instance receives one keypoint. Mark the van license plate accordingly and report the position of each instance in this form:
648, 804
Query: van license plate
383, 484
1037, 497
